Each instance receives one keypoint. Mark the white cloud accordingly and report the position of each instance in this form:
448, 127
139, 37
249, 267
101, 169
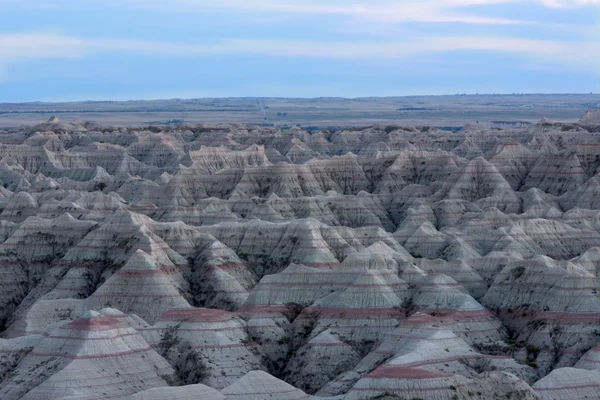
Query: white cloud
569, 3
383, 10
39, 46
380, 10
32, 46
386, 11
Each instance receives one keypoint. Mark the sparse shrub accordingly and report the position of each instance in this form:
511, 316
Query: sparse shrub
284, 340
518, 272
190, 369
169, 339
100, 186
531, 363
533, 349
408, 306
292, 310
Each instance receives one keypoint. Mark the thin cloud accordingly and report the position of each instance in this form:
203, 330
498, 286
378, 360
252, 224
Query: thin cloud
432, 11
383, 11
569, 3
386, 11
30, 46
16, 46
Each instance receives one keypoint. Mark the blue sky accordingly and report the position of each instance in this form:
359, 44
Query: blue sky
59, 50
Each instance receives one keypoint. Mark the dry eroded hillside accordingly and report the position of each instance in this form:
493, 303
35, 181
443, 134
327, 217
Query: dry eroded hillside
245, 262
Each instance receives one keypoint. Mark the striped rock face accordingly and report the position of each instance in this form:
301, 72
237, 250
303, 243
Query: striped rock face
94, 357
252, 262
569, 383
189, 392
216, 339
258, 385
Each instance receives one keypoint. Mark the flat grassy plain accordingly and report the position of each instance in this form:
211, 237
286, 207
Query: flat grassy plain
443, 111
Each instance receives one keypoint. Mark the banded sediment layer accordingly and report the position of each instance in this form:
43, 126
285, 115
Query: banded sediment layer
251, 262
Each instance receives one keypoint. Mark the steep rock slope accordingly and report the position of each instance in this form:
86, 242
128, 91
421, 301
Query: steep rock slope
91, 356
243, 261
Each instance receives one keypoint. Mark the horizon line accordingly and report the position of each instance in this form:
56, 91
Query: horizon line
305, 98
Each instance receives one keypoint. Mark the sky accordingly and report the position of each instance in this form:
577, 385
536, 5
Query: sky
74, 50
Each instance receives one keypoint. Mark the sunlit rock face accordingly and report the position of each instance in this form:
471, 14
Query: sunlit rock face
247, 262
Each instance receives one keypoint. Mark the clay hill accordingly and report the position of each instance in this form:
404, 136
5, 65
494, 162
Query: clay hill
252, 262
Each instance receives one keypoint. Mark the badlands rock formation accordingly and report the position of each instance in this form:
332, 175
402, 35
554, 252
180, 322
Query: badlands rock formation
247, 262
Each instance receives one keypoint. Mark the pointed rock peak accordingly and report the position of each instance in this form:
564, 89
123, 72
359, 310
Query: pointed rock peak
310, 222
591, 117
164, 178
54, 120
38, 177
260, 384
426, 229
325, 337
420, 318
77, 121
480, 161
100, 172
348, 156
94, 321
592, 254
301, 269
378, 146
91, 314
112, 312
439, 279
419, 202
187, 392
479, 179
470, 140
54, 145
545, 121
380, 248
494, 213
454, 240
113, 195
568, 379
255, 147
214, 246
510, 147
140, 261
273, 197
535, 194
370, 278
573, 269
298, 147
470, 126
540, 259
67, 218
8, 160
384, 146
4, 193
24, 199
126, 217
370, 290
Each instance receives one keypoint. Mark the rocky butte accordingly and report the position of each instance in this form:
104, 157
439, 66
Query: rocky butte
251, 262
